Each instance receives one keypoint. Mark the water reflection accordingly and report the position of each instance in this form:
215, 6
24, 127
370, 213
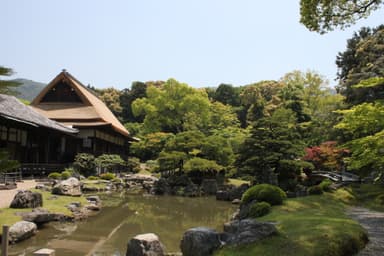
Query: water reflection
124, 216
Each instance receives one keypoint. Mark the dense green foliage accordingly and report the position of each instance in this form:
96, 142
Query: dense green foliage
324, 15
362, 60
175, 107
107, 176
54, 175
85, 164
315, 190
109, 162
272, 149
259, 209
264, 193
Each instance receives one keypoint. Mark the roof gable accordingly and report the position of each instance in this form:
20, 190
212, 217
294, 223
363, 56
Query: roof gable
50, 98
12, 108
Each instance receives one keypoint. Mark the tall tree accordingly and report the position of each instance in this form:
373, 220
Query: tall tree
127, 96
363, 59
316, 103
363, 127
272, 149
111, 98
260, 99
175, 107
227, 94
325, 15
7, 87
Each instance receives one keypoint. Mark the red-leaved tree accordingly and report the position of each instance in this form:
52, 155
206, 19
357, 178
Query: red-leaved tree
326, 157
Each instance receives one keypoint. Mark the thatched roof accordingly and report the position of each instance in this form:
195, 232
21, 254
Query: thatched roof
11, 108
75, 114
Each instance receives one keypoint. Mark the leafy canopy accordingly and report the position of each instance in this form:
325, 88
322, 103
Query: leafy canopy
324, 15
361, 66
174, 107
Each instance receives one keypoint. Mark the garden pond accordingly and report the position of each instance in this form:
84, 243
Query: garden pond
123, 216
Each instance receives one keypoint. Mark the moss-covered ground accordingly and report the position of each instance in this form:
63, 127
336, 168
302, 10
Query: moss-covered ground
312, 225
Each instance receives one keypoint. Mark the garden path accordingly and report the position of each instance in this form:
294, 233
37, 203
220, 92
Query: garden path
373, 222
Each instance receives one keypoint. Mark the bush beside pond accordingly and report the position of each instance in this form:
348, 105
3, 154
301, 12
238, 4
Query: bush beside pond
264, 192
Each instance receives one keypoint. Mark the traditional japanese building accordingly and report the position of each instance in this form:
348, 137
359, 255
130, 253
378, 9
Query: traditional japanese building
32, 138
67, 101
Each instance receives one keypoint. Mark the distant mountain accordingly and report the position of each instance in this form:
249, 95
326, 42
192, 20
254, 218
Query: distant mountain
28, 89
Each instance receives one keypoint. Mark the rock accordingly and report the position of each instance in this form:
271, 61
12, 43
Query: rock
229, 193
38, 216
222, 195
94, 199
247, 231
74, 206
43, 187
200, 242
27, 199
237, 192
145, 245
209, 186
236, 201
93, 207
244, 210
41, 216
69, 187
22, 230
141, 181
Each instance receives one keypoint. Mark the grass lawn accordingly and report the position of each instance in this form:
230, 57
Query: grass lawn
8, 215
312, 225
94, 184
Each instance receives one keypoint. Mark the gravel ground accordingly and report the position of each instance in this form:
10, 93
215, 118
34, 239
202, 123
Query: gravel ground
373, 222
6, 196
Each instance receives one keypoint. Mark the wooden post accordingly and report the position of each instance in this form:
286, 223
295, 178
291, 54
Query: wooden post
4, 240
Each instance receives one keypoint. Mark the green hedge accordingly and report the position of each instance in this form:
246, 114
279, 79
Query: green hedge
264, 192
259, 209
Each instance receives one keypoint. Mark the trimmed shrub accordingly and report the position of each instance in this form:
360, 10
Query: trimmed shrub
325, 185
65, 175
107, 176
315, 190
264, 192
259, 209
54, 175
93, 178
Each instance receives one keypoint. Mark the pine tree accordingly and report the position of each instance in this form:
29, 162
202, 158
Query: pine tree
271, 151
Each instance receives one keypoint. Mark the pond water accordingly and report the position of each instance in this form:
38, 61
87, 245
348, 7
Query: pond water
123, 216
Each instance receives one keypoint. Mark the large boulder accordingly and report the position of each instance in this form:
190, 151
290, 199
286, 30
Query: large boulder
200, 242
68, 187
27, 199
247, 231
21, 230
145, 245
140, 181
41, 216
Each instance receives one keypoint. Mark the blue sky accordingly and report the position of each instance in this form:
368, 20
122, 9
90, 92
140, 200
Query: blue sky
199, 42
